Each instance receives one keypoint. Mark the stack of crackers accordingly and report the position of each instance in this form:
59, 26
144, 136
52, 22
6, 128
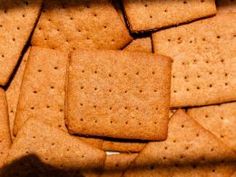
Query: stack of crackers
128, 88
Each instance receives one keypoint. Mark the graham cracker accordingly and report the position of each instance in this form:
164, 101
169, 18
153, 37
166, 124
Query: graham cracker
146, 15
69, 24
140, 44
126, 146
16, 25
43, 88
42, 92
123, 146
204, 62
115, 165
225, 6
13, 91
52, 147
219, 120
206, 170
109, 91
187, 143
5, 138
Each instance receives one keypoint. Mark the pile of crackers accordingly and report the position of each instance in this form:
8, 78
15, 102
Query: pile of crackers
129, 88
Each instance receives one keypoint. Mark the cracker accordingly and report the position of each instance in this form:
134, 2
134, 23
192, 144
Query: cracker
126, 146
92, 141
225, 6
140, 44
115, 165
80, 24
16, 25
13, 91
52, 147
204, 62
209, 170
206, 170
187, 143
219, 120
109, 91
123, 146
149, 15
5, 139
42, 92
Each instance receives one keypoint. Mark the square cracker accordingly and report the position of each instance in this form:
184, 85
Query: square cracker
52, 147
71, 24
17, 19
219, 120
42, 93
5, 138
146, 15
140, 45
187, 143
204, 60
112, 90
13, 91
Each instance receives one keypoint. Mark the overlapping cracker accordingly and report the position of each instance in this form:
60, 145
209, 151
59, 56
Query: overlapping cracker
206, 170
140, 44
219, 120
113, 90
115, 165
123, 146
204, 60
13, 91
42, 92
70, 24
187, 143
145, 15
43, 88
53, 147
5, 138
17, 20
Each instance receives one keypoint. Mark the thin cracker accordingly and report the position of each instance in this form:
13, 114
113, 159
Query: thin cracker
13, 91
204, 62
70, 24
219, 120
106, 92
145, 15
16, 25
